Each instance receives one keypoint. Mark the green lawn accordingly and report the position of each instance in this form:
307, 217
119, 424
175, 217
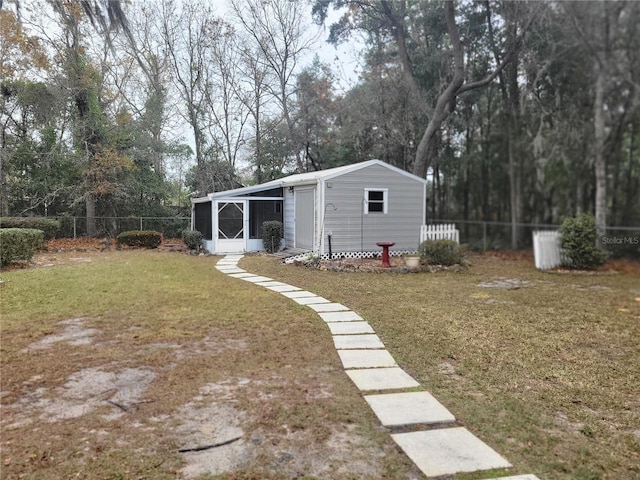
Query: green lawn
546, 373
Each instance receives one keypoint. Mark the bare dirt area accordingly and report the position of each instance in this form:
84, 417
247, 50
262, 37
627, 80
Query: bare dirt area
68, 422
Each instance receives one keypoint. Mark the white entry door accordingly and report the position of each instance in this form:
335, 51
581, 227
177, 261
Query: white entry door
231, 227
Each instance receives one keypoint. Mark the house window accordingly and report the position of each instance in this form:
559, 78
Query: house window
375, 200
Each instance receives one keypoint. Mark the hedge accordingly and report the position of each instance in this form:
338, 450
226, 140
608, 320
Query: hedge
140, 238
49, 227
19, 244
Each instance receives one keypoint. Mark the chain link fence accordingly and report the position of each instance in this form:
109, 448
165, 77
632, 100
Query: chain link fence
170, 227
480, 235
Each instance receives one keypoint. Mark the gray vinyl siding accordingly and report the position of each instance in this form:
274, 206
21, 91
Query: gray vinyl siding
401, 223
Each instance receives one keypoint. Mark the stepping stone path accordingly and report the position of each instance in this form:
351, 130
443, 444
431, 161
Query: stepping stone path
427, 431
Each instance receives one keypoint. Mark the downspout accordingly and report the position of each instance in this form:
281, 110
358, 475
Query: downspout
320, 203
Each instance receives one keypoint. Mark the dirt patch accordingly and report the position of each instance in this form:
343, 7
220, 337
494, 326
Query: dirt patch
74, 333
218, 436
504, 283
82, 393
209, 430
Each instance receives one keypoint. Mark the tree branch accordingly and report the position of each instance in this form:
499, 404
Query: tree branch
508, 57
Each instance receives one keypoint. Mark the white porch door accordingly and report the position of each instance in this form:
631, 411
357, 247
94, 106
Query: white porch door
231, 227
304, 218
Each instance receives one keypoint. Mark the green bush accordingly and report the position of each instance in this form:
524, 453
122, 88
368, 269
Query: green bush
192, 239
440, 252
578, 242
19, 244
140, 238
48, 226
272, 233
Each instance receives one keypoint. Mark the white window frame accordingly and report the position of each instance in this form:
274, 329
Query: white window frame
385, 201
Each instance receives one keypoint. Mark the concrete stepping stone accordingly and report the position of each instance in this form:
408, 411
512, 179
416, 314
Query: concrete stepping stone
381, 378
366, 358
350, 342
231, 270
340, 316
271, 283
310, 300
328, 307
517, 477
394, 409
448, 451
242, 275
300, 294
283, 288
257, 279
347, 328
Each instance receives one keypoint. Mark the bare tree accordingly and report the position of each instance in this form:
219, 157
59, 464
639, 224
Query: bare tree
278, 31
189, 32
228, 111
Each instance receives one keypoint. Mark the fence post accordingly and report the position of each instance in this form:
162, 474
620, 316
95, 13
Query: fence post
140, 223
484, 236
74, 227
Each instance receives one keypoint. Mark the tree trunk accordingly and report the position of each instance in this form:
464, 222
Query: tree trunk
599, 160
514, 203
4, 190
426, 148
90, 206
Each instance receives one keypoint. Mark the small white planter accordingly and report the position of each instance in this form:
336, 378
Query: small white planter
412, 262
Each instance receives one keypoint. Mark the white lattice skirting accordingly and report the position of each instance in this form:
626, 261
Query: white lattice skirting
339, 255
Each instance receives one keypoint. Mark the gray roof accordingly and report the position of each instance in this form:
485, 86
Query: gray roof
305, 179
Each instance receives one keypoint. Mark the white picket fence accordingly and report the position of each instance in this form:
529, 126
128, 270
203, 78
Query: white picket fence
439, 232
546, 249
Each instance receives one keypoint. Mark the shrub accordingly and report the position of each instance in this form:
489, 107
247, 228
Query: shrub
48, 226
440, 252
140, 238
19, 244
578, 242
192, 239
272, 233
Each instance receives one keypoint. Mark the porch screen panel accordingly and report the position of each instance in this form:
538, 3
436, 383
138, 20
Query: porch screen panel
231, 221
261, 211
202, 219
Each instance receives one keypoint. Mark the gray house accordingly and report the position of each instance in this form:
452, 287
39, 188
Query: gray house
356, 205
